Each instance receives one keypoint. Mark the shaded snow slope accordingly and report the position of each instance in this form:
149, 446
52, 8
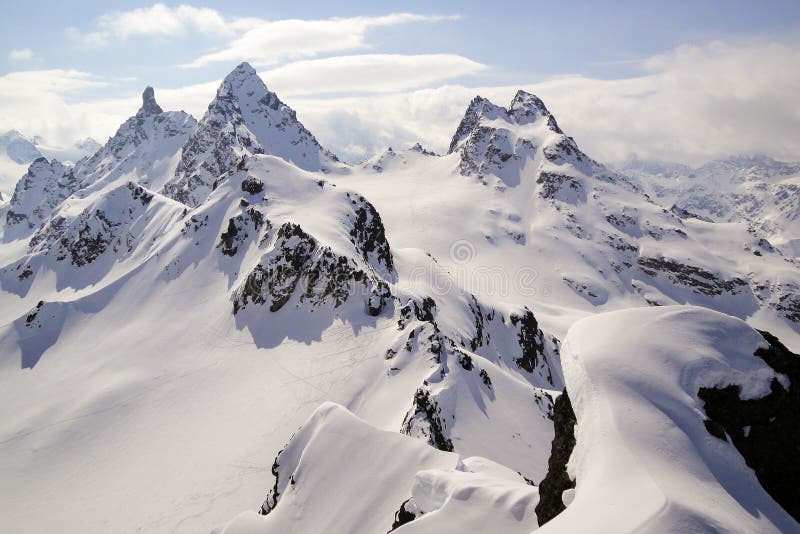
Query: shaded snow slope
644, 460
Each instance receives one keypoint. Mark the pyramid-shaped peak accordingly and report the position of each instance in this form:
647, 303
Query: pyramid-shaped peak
243, 82
244, 68
149, 104
243, 71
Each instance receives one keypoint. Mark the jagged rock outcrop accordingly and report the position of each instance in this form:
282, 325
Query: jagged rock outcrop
504, 142
298, 263
696, 278
100, 227
557, 481
143, 148
425, 421
37, 194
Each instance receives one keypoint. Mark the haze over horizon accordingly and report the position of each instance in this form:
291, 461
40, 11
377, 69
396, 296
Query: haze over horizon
364, 77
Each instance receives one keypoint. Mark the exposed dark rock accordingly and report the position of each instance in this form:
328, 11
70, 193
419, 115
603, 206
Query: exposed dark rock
700, 280
485, 377
553, 183
239, 230
252, 185
424, 417
299, 261
423, 311
557, 479
369, 236
271, 501
531, 340
403, 515
686, 214
765, 431
90, 244
149, 104
466, 361
788, 303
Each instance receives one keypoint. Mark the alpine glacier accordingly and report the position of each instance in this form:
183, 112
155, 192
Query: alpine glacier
218, 326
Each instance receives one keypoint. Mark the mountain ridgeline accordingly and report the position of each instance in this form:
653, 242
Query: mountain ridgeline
236, 265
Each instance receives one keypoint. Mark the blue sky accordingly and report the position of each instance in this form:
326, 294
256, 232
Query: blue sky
445, 48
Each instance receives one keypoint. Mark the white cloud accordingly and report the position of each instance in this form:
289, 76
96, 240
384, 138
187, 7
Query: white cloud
272, 41
690, 105
160, 20
42, 102
367, 73
22, 54
262, 42
695, 103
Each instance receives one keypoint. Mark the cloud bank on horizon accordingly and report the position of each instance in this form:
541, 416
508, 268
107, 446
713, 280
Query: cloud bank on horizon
691, 103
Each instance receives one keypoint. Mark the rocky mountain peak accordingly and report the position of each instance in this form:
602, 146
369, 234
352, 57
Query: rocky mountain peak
149, 104
526, 108
242, 70
244, 118
242, 83
477, 108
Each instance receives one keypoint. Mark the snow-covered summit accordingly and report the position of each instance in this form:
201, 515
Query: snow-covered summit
18, 148
525, 108
519, 145
16, 153
245, 118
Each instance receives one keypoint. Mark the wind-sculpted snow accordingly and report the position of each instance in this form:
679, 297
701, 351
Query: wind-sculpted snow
644, 460
338, 464
346, 475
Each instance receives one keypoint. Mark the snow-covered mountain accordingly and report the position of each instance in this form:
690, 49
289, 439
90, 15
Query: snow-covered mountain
17, 152
758, 190
179, 303
244, 118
